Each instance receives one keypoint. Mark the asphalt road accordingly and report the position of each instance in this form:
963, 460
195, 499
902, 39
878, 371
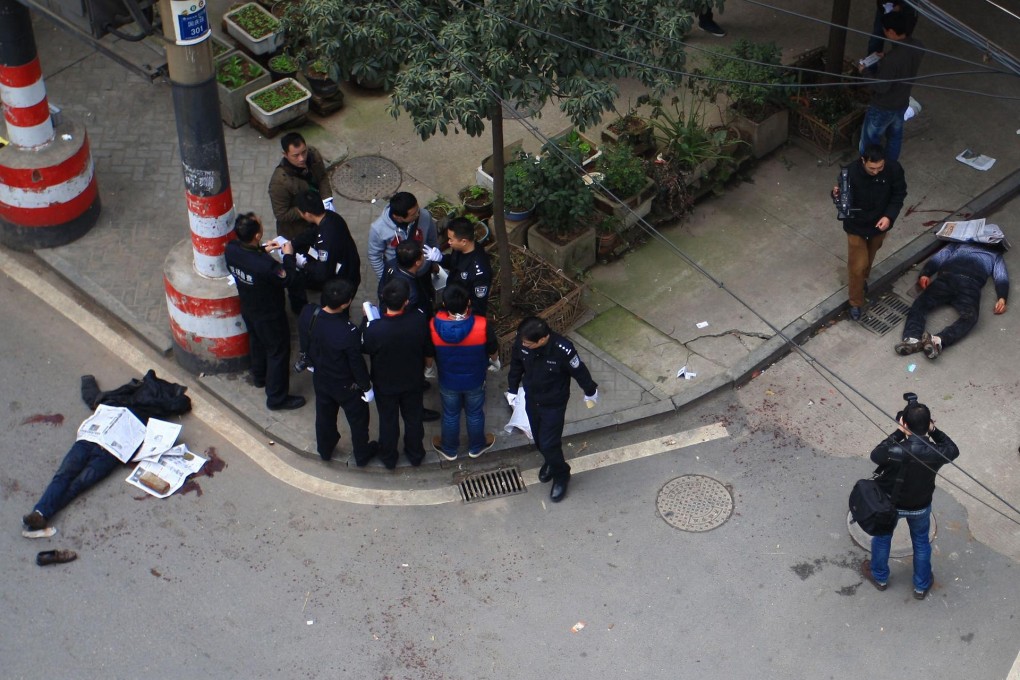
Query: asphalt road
246, 576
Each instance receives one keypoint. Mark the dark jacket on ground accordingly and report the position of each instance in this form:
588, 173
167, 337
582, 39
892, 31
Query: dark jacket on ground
973, 260
874, 197
259, 279
901, 60
463, 348
337, 254
150, 397
922, 456
397, 346
473, 271
334, 346
546, 372
287, 182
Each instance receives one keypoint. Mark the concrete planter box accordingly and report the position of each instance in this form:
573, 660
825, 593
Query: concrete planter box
233, 103
632, 209
284, 114
767, 136
266, 44
483, 174
221, 47
576, 256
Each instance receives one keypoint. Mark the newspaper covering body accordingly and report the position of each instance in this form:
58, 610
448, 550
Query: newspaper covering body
159, 437
973, 231
114, 428
167, 474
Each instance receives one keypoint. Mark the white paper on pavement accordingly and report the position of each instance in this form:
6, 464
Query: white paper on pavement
163, 477
975, 160
114, 428
976, 231
159, 437
519, 418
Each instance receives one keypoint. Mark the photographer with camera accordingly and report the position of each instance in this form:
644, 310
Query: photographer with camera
908, 461
878, 188
331, 349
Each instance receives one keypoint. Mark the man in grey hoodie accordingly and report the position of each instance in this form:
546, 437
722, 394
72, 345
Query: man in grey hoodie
401, 220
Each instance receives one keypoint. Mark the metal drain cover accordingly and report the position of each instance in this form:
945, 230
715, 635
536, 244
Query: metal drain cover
366, 177
494, 484
694, 503
885, 313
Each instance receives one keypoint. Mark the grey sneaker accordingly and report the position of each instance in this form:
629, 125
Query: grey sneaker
437, 446
931, 344
908, 346
490, 440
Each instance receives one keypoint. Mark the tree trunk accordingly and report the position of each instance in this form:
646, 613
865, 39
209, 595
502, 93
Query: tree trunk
837, 36
498, 220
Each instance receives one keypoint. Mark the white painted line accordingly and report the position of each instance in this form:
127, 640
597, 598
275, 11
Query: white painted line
214, 416
1014, 672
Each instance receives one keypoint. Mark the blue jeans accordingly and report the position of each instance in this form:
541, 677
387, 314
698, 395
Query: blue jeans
919, 522
473, 403
84, 465
879, 122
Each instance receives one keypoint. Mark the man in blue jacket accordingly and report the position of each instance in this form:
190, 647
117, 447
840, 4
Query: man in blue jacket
465, 345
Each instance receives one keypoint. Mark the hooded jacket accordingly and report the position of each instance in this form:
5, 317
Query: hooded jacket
385, 235
463, 347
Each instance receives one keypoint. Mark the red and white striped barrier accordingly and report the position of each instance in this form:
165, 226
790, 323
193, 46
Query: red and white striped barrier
26, 109
212, 227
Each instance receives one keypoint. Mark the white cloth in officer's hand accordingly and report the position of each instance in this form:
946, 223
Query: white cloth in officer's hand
495, 365
328, 203
430, 371
519, 418
592, 400
301, 259
432, 254
369, 396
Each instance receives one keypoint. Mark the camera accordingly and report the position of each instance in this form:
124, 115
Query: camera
303, 363
911, 400
844, 202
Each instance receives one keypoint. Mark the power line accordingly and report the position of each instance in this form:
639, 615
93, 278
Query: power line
653, 232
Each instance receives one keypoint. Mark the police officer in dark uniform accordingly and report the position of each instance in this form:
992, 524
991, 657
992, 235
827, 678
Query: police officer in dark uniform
333, 346
546, 361
400, 347
405, 265
334, 254
260, 283
468, 264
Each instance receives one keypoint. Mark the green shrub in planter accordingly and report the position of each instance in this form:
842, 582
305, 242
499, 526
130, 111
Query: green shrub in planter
520, 183
623, 173
564, 200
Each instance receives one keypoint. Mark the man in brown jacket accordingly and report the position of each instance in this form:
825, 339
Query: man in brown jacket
301, 168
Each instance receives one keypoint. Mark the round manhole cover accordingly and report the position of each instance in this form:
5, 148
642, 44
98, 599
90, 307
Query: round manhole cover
694, 503
365, 178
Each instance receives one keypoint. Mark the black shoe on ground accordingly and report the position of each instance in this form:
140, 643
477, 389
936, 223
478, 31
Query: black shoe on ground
293, 401
558, 491
34, 521
544, 474
855, 314
709, 26
429, 416
373, 451
921, 594
866, 573
55, 557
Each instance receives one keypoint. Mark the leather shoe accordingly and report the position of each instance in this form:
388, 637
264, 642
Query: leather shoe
866, 573
544, 474
558, 491
429, 416
292, 402
55, 557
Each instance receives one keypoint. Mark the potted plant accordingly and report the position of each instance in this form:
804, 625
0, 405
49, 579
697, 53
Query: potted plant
607, 231
625, 192
564, 235
480, 224
631, 129
255, 28
477, 200
827, 118
684, 139
279, 103
319, 80
237, 76
520, 183
754, 82
282, 66
572, 139
220, 47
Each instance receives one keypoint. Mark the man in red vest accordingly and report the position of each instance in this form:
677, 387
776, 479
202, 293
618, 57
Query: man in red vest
466, 346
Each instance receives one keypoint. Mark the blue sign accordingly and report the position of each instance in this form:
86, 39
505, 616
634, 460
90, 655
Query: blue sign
192, 24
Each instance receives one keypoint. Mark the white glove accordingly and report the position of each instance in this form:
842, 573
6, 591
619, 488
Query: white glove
328, 203
592, 400
495, 365
430, 371
368, 397
301, 259
432, 254
511, 399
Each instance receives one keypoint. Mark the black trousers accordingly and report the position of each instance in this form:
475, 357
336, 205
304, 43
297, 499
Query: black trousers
391, 408
547, 430
329, 399
959, 290
269, 350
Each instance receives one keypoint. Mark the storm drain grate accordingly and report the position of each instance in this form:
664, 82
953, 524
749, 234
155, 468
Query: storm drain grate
495, 484
885, 313
694, 503
366, 178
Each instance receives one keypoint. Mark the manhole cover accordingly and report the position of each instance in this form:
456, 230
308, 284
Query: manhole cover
885, 313
695, 503
366, 177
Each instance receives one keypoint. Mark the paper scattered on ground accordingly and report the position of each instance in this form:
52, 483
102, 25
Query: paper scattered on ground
975, 160
577, 626
686, 373
163, 477
159, 437
702, 324
977, 231
114, 428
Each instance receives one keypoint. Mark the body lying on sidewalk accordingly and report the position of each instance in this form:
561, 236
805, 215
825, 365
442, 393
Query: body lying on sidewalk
960, 271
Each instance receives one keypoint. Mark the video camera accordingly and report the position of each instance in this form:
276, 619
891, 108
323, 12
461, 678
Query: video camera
911, 400
844, 202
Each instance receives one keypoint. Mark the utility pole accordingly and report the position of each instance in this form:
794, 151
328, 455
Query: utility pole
837, 36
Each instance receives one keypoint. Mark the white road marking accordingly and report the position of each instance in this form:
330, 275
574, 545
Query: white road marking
213, 415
